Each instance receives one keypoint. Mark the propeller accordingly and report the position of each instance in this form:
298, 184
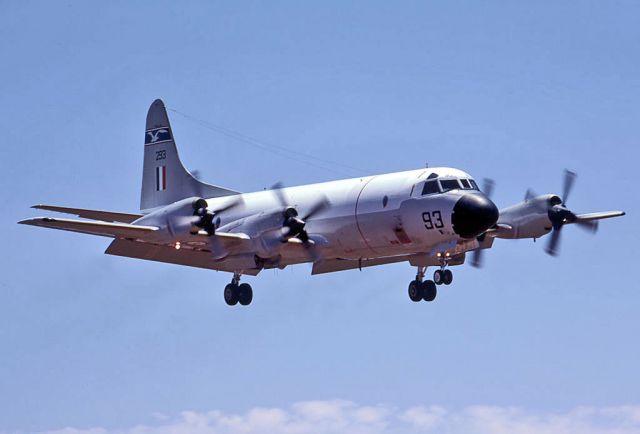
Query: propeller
477, 259
293, 225
559, 214
206, 221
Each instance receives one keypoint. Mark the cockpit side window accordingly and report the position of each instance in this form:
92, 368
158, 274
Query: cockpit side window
430, 187
465, 184
449, 184
473, 184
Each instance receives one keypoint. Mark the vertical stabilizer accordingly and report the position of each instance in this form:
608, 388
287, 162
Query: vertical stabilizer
164, 179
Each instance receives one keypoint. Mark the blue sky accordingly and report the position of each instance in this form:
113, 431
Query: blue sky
515, 91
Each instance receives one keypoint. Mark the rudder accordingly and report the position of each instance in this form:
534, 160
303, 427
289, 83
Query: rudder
164, 178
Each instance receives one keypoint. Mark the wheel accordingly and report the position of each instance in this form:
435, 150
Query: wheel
438, 277
245, 294
429, 290
415, 291
231, 294
448, 277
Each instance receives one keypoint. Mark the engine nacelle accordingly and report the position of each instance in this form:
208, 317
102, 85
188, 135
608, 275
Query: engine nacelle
528, 219
176, 221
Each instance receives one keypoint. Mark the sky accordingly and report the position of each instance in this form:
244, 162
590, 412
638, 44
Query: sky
513, 91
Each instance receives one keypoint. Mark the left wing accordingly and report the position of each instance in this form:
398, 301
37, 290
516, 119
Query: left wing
222, 251
104, 229
106, 216
189, 256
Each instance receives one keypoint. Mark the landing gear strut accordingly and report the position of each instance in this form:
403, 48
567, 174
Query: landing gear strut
236, 292
420, 289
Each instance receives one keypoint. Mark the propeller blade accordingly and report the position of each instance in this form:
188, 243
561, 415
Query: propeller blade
554, 242
276, 189
530, 194
235, 202
178, 224
569, 179
487, 186
312, 251
317, 208
588, 225
476, 258
217, 248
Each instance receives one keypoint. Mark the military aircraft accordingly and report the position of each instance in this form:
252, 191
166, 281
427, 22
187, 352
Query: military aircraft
428, 217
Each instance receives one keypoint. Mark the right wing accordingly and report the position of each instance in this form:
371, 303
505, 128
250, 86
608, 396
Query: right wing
599, 215
419, 259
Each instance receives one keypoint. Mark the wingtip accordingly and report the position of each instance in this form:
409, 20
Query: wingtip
34, 220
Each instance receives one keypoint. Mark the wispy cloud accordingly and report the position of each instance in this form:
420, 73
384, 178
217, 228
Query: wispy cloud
346, 417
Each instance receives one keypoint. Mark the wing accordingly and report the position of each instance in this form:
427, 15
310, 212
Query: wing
423, 260
599, 215
189, 256
106, 216
104, 229
137, 241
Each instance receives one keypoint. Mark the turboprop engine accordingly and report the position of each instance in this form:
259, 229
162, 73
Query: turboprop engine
180, 219
539, 215
185, 217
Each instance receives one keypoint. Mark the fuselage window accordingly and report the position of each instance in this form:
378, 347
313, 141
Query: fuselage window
473, 184
430, 187
465, 184
449, 184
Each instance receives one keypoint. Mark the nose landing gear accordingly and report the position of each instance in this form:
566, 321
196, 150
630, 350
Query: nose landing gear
443, 277
236, 292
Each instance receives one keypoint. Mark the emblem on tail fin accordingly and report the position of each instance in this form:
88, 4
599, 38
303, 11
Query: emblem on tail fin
156, 136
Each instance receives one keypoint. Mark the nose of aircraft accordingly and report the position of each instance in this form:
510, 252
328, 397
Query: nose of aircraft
473, 214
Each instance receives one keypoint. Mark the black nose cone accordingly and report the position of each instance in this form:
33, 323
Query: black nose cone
473, 214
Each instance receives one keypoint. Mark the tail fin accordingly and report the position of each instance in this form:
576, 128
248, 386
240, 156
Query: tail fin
164, 179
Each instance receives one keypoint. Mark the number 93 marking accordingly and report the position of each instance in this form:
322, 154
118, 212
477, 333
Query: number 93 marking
432, 220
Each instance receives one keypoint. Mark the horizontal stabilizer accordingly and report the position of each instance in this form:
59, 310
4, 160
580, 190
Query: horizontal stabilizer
113, 230
599, 215
105, 216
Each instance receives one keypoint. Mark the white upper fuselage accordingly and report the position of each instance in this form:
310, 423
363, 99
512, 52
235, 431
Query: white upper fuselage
368, 217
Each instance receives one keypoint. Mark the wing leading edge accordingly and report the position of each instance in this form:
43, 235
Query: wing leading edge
92, 214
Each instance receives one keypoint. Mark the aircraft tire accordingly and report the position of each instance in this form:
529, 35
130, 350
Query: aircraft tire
429, 290
245, 294
438, 277
415, 291
231, 294
448, 277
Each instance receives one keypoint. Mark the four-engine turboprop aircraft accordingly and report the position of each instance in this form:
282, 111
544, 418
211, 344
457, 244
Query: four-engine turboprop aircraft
426, 217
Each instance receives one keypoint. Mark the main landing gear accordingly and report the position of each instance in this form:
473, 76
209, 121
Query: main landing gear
236, 292
420, 289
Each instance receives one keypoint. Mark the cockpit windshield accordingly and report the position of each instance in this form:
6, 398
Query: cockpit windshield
449, 184
433, 186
